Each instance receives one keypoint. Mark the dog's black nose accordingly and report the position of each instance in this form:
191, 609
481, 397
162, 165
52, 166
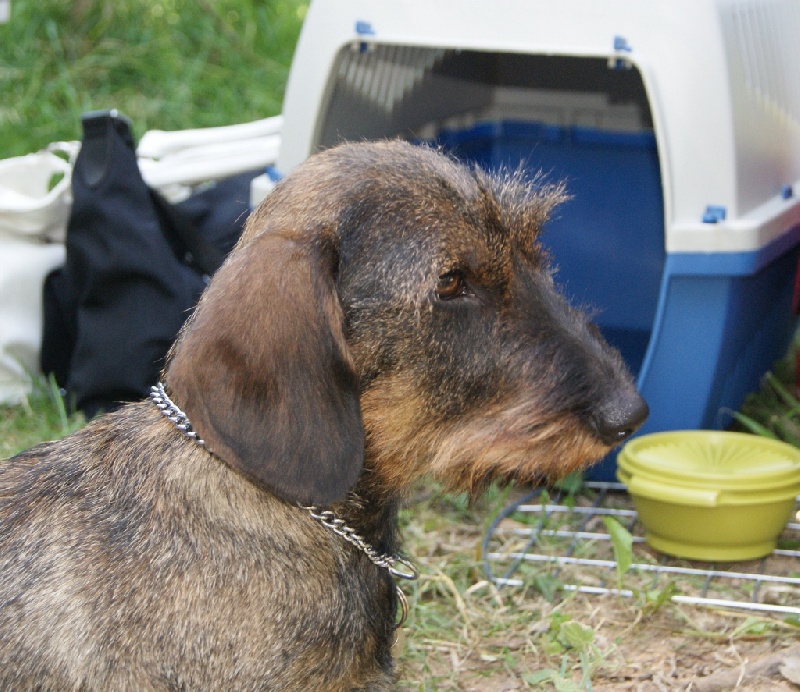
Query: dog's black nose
620, 416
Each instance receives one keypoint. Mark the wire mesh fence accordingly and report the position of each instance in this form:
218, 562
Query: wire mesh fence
564, 540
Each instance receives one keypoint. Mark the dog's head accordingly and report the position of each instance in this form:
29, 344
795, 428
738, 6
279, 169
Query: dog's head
387, 298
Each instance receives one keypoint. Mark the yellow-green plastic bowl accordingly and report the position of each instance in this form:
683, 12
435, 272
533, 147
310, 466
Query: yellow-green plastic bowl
711, 495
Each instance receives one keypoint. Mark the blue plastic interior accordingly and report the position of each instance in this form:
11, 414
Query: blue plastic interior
608, 239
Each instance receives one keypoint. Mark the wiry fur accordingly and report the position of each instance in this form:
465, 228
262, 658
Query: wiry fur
324, 364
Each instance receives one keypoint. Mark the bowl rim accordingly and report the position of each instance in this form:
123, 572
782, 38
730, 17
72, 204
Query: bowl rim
761, 477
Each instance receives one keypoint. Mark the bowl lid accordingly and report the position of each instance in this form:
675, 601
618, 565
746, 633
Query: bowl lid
713, 459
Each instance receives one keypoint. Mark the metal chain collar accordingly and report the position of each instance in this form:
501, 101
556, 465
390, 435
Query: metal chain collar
396, 566
171, 412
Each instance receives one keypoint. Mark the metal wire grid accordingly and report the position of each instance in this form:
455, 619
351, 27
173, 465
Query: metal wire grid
569, 541
385, 74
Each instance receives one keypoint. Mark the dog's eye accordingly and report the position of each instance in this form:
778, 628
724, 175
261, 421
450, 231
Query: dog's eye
451, 285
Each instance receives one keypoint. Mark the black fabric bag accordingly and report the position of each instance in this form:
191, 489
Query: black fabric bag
135, 267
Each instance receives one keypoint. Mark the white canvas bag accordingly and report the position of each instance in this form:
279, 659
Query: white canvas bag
33, 221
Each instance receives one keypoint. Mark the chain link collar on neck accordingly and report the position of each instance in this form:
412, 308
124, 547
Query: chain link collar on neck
396, 566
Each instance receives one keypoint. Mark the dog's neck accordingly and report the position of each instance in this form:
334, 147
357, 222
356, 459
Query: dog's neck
375, 516
364, 508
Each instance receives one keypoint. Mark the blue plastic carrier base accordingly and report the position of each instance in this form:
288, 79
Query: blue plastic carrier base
698, 330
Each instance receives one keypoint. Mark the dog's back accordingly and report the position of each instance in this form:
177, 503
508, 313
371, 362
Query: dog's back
128, 563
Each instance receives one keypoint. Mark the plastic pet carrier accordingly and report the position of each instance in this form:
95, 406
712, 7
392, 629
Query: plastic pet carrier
675, 124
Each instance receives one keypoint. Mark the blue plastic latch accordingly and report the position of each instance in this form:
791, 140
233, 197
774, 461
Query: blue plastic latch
714, 213
617, 61
621, 44
787, 192
273, 174
364, 28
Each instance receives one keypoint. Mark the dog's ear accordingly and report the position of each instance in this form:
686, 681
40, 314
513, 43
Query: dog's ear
263, 372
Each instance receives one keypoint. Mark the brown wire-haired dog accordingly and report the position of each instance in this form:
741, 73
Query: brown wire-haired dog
388, 313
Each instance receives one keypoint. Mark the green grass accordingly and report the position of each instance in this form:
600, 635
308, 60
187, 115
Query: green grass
167, 64
42, 416
774, 410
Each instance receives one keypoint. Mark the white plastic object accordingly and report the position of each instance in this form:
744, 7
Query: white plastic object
674, 123
720, 77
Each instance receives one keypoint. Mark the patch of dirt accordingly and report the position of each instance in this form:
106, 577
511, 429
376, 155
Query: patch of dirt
694, 649
466, 634
674, 649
